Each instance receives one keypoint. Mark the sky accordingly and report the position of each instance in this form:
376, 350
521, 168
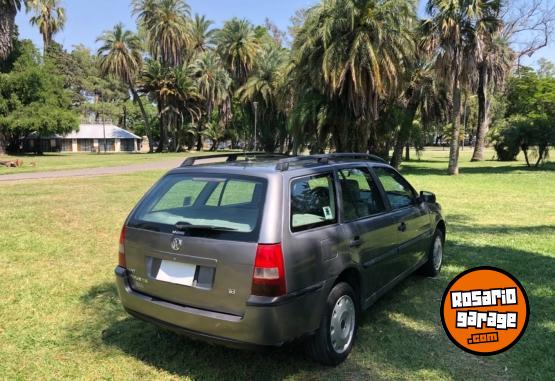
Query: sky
87, 19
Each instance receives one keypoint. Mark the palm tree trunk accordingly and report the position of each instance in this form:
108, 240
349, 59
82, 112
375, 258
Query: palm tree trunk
7, 24
200, 140
456, 125
162, 140
404, 132
483, 114
137, 99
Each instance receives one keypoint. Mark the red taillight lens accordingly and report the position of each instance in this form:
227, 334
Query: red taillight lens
269, 274
121, 256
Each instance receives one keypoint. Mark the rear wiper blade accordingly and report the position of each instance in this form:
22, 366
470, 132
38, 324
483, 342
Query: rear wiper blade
186, 226
145, 226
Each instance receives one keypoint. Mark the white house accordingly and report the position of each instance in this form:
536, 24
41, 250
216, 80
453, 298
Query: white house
89, 138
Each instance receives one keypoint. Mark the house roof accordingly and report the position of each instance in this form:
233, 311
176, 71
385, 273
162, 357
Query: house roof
93, 131
96, 131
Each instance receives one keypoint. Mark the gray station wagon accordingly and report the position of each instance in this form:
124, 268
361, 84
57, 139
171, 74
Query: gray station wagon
262, 249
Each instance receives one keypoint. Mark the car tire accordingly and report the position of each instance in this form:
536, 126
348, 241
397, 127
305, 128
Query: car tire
333, 341
432, 267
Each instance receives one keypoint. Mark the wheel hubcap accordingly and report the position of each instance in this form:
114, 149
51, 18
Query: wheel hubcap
342, 324
438, 253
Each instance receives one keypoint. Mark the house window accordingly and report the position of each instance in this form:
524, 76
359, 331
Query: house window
128, 145
110, 145
84, 145
67, 145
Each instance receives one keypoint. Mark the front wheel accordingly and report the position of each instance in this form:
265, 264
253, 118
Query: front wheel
333, 341
435, 256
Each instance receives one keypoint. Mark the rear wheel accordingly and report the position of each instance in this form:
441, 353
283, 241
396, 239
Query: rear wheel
435, 256
333, 341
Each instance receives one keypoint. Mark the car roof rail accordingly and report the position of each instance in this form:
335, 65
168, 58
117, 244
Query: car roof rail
231, 157
283, 164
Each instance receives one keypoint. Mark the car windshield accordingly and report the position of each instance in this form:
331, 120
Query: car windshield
198, 205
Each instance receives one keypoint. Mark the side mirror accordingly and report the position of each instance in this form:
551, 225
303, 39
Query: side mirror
187, 201
428, 197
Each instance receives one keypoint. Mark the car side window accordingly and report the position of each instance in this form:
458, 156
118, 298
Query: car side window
361, 197
398, 191
313, 202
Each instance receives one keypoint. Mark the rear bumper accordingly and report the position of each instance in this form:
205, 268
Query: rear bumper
264, 323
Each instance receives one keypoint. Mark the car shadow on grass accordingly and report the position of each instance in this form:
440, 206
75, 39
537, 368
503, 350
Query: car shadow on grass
400, 336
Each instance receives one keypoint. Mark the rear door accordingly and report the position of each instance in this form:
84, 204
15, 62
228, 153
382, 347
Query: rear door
193, 239
315, 241
374, 238
411, 219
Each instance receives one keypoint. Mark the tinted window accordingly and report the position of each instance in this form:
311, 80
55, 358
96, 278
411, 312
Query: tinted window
312, 202
234, 204
398, 191
361, 197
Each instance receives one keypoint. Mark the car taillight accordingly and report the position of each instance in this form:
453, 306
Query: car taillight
269, 273
121, 256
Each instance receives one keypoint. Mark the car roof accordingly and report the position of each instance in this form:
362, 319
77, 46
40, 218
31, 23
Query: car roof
265, 164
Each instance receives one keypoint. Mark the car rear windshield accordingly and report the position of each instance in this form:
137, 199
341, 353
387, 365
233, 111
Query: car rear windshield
220, 206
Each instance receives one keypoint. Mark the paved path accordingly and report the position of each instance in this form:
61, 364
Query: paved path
87, 172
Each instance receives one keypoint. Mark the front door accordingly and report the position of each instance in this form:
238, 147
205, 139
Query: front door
373, 237
411, 218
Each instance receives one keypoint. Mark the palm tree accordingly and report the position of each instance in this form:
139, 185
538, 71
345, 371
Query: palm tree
176, 94
165, 23
214, 85
153, 82
238, 47
201, 35
8, 11
215, 133
265, 86
49, 17
495, 64
355, 51
120, 57
451, 34
424, 94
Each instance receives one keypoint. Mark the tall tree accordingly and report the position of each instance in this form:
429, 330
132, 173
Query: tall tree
451, 33
354, 51
165, 23
214, 84
176, 94
120, 57
238, 46
202, 35
494, 65
49, 17
264, 86
33, 100
8, 11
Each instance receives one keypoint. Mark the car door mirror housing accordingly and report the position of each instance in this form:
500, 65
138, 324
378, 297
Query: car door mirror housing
428, 197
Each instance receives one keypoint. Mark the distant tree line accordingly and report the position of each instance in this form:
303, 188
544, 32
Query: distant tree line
349, 75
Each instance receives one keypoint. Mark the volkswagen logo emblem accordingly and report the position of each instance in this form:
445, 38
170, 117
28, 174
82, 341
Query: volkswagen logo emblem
176, 244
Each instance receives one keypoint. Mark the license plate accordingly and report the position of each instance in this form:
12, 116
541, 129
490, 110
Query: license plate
176, 272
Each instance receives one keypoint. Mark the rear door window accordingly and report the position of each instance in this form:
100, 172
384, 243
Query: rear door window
361, 196
219, 205
313, 202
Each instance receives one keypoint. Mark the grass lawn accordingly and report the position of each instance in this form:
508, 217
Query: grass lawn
60, 316
61, 161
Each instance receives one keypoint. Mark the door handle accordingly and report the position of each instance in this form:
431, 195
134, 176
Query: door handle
402, 227
356, 242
